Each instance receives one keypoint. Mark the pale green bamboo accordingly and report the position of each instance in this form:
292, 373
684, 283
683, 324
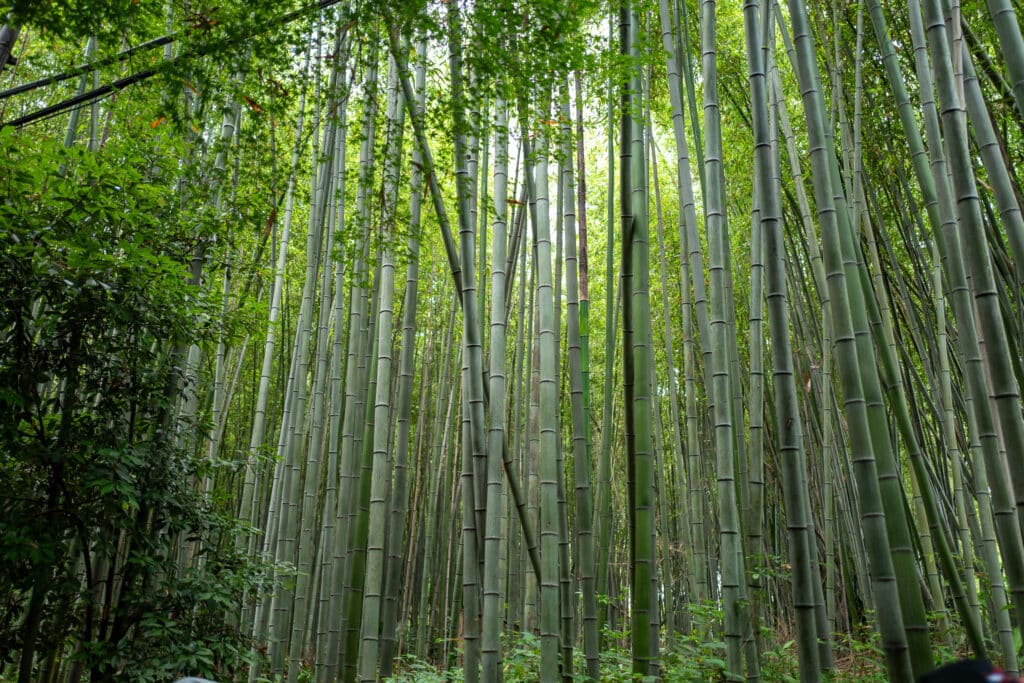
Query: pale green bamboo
359, 540
348, 452
381, 472
492, 597
448, 517
468, 559
952, 446
309, 549
693, 264
565, 587
883, 330
885, 340
229, 128
937, 604
252, 482
548, 419
824, 598
408, 591
519, 423
258, 430
673, 611
334, 550
893, 496
894, 502
753, 482
304, 592
584, 316
477, 140
730, 538
481, 210
684, 47
357, 451
990, 546
530, 595
291, 442
391, 615
416, 118
580, 431
938, 204
433, 517
857, 174
603, 497
818, 269
90, 50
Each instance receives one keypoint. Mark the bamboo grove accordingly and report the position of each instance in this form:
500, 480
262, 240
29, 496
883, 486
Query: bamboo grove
654, 338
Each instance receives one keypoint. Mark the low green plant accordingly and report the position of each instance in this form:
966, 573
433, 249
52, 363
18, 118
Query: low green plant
859, 657
411, 669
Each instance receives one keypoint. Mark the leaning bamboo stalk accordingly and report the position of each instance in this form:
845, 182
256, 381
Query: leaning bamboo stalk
872, 518
995, 361
441, 213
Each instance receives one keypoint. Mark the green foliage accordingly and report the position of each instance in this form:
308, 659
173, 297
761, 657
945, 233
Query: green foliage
522, 656
695, 656
67, 18
410, 668
183, 630
98, 490
306, 675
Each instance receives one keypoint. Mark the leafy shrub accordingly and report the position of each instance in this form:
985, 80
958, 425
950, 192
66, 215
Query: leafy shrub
100, 500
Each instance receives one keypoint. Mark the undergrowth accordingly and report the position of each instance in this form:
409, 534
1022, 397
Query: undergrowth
686, 658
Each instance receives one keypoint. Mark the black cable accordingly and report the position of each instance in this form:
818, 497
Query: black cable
79, 100
86, 68
121, 83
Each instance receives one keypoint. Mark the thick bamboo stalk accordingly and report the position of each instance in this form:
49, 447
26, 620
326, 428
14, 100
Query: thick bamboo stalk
381, 472
391, 615
722, 340
788, 426
872, 518
637, 354
492, 613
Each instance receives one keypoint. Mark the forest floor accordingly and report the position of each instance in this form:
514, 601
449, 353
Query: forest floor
685, 660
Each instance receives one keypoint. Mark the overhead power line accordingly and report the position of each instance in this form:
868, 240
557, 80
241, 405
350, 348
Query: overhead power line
121, 83
86, 68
